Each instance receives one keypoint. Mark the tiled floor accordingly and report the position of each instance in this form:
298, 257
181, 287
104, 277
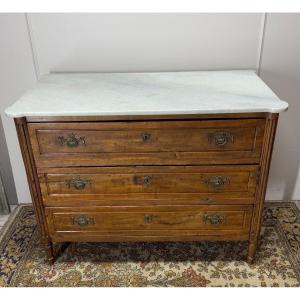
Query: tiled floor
3, 218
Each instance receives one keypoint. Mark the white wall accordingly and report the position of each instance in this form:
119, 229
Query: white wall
145, 42
154, 42
16, 76
280, 69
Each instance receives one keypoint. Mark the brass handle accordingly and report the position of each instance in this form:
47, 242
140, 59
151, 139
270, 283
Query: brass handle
72, 140
148, 218
221, 138
78, 183
214, 219
216, 181
146, 136
83, 220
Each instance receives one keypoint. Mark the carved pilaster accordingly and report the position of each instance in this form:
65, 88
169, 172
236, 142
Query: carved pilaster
269, 136
34, 187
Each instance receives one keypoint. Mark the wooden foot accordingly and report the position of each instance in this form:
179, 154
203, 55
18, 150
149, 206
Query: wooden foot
250, 260
53, 253
50, 258
251, 252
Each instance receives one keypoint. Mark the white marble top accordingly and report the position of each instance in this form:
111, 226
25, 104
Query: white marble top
105, 94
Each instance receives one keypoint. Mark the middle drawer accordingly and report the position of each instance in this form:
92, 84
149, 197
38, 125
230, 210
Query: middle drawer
145, 185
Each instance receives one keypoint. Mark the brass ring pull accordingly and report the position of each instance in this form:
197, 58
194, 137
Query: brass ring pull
216, 181
214, 219
72, 140
221, 138
146, 136
83, 220
78, 183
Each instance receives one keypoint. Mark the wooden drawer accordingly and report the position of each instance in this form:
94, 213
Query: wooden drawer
144, 185
149, 223
146, 143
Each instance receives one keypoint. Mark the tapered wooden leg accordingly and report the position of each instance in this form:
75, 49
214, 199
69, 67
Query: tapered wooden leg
252, 246
33, 181
52, 253
50, 257
48, 249
262, 179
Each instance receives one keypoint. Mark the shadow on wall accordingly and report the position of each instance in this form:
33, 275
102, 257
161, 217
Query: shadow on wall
6, 170
284, 171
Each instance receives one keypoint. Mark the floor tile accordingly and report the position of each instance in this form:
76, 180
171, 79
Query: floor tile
3, 219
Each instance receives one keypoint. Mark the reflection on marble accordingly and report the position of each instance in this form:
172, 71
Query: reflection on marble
83, 94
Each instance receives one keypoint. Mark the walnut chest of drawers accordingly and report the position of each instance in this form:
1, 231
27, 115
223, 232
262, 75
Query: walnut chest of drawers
150, 176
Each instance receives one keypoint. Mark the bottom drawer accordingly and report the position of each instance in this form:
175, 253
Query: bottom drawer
149, 223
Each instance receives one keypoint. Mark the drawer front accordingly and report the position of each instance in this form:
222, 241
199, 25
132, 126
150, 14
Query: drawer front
118, 184
152, 142
95, 222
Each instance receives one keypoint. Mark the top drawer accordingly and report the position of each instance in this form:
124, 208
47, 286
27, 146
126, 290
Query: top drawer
151, 142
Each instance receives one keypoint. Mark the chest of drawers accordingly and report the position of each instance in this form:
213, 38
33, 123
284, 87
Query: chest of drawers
148, 177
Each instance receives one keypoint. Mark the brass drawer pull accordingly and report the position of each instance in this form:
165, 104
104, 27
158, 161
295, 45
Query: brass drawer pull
146, 136
72, 141
83, 220
220, 138
214, 219
148, 218
78, 183
216, 181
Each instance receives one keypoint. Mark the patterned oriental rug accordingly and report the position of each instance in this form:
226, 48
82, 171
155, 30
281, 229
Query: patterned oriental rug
191, 264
